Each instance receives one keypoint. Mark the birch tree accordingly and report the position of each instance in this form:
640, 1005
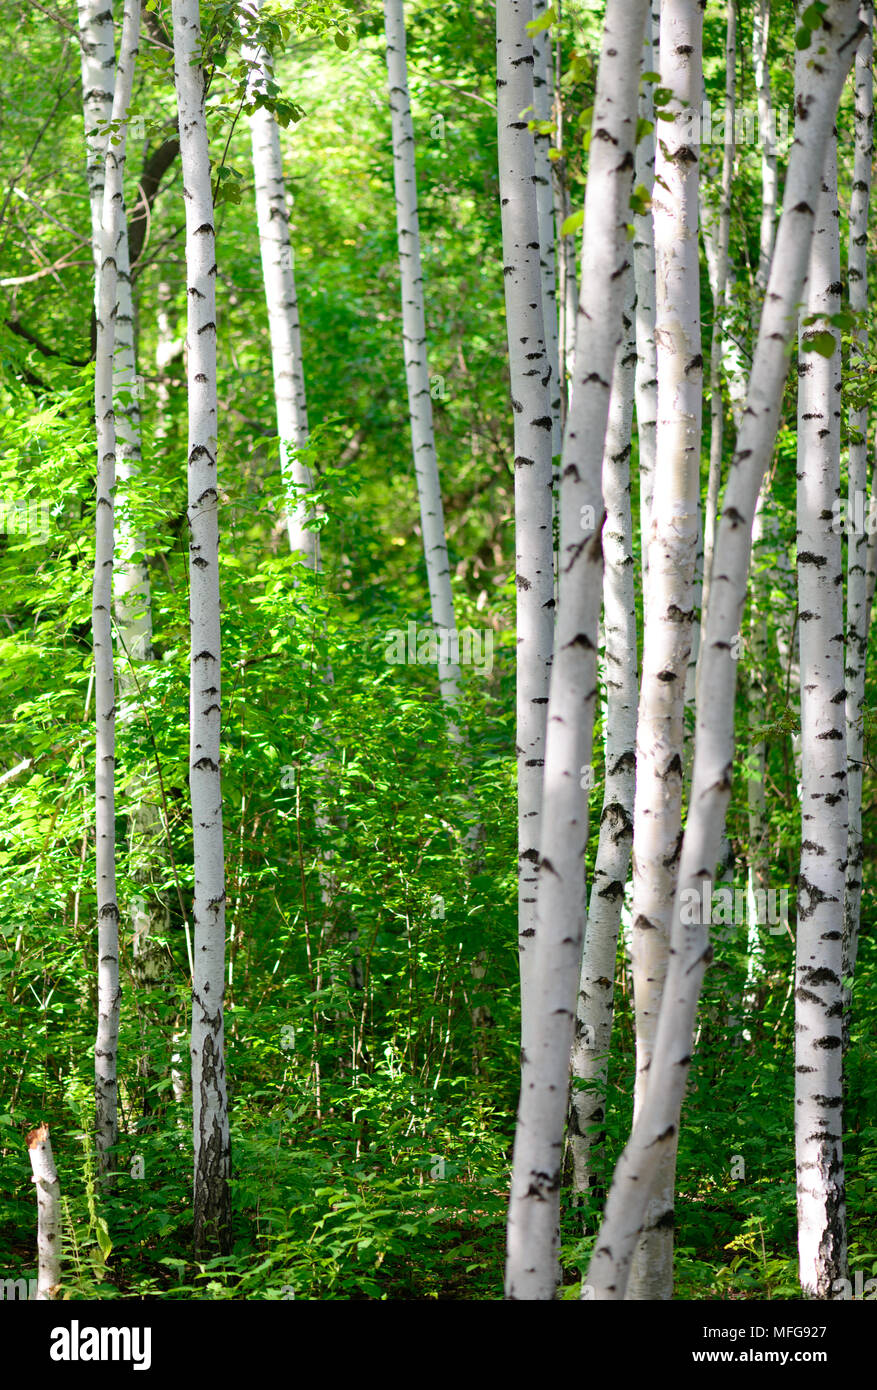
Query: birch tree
542, 97
131, 590
530, 375
857, 541
109, 992
278, 274
673, 542
432, 520
717, 230
656, 1128
531, 1269
45, 1177
822, 1254
212, 1156
768, 134
594, 1010
646, 385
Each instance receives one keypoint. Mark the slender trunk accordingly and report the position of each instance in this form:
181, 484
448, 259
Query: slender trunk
717, 228
212, 1157
45, 1176
644, 272
272, 213
530, 381
656, 1129
758, 849
109, 991
673, 542
765, 529
824, 807
857, 541
567, 290
767, 131
432, 520
542, 94
531, 1271
593, 1033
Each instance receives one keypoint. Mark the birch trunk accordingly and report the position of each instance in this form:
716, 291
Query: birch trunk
531, 399
133, 608
767, 129
45, 1177
531, 1271
644, 273
718, 227
765, 527
432, 520
593, 1031
824, 806
542, 94
673, 544
109, 991
212, 1157
567, 285
857, 541
656, 1128
272, 213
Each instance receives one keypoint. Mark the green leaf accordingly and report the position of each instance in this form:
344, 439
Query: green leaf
640, 202
824, 343
536, 26
572, 223
812, 16
342, 41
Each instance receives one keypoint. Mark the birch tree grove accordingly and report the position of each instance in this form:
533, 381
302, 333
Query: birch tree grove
655, 1131
211, 1199
533, 785
531, 1269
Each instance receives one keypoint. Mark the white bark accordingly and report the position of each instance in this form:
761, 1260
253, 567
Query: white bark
673, 544
272, 213
567, 283
857, 541
209, 1099
45, 1176
824, 808
717, 228
109, 991
656, 1129
758, 862
530, 381
767, 129
534, 1206
590, 1052
131, 592
432, 520
644, 272
542, 93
